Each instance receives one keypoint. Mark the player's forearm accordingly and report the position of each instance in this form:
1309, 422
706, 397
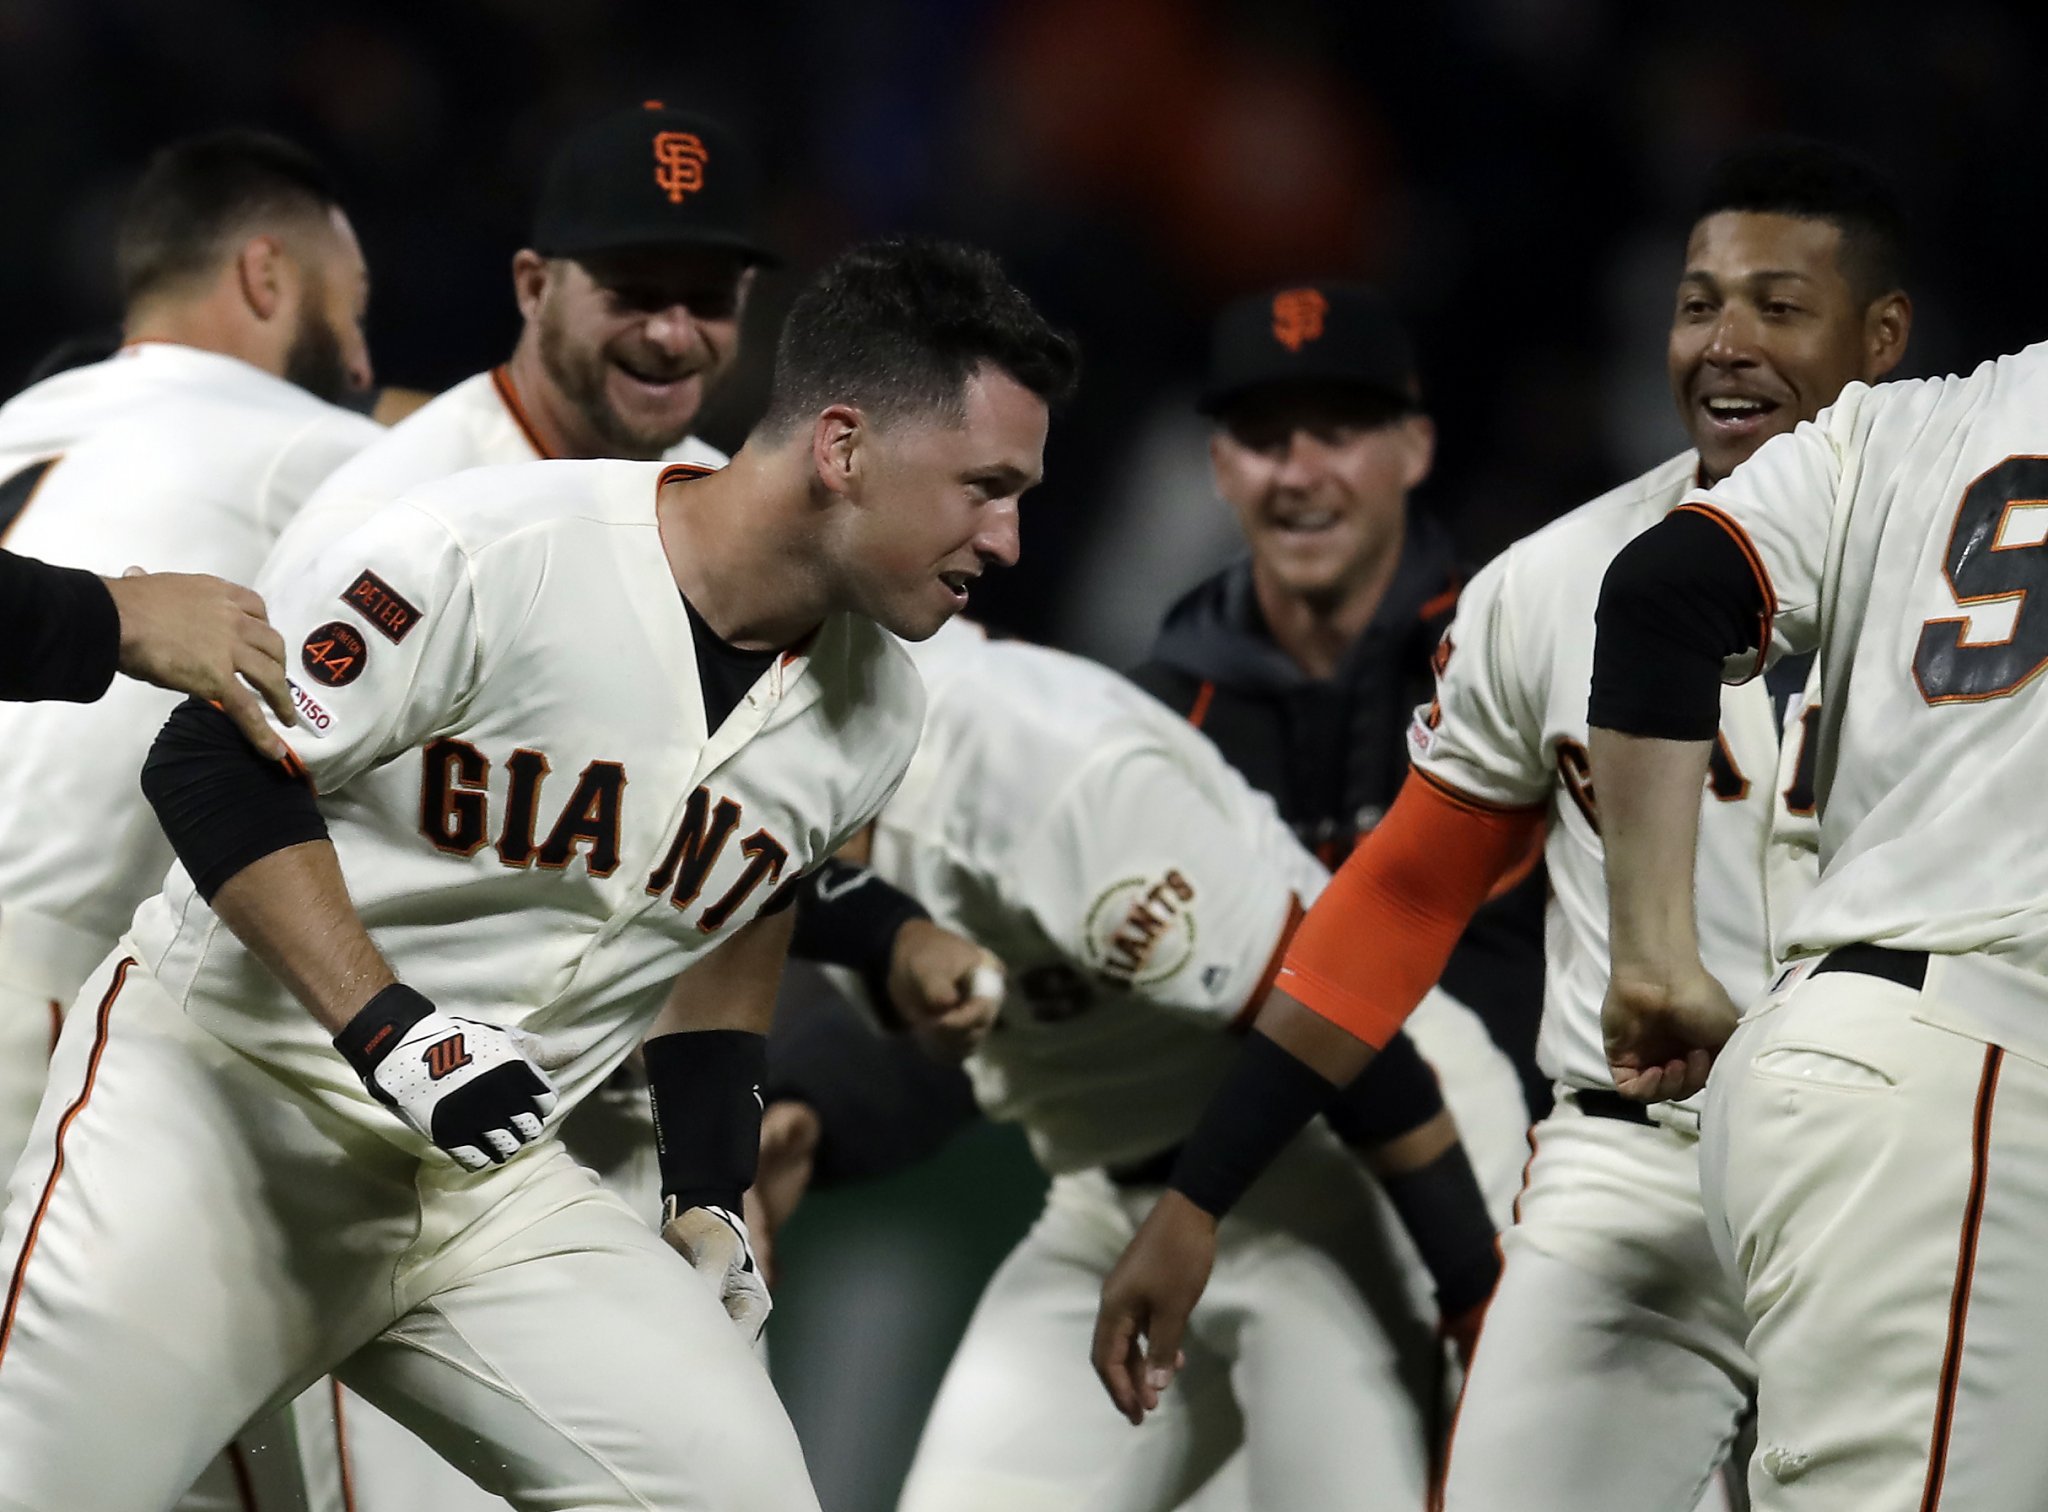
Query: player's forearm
733, 987
292, 909
1650, 815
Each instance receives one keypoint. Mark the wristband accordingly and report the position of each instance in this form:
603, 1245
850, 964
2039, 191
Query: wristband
381, 1023
1268, 1098
705, 1089
846, 915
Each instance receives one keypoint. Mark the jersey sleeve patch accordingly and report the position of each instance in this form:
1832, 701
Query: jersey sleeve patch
335, 654
387, 610
1141, 930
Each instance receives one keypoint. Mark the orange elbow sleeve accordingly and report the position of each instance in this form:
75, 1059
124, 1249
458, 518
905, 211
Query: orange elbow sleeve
1377, 939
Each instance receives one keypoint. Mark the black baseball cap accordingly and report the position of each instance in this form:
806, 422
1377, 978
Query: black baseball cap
651, 177
1340, 334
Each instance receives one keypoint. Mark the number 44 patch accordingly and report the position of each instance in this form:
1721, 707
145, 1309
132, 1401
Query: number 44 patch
334, 654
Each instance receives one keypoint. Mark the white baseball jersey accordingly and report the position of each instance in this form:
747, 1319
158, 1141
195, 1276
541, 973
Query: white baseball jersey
165, 457
480, 422
502, 716
1508, 729
1902, 535
1134, 884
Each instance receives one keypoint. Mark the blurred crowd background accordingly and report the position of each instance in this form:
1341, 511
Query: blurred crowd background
1517, 172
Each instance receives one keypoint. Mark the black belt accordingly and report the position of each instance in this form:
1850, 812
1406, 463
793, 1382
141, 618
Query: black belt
1906, 967
1153, 1170
1595, 1103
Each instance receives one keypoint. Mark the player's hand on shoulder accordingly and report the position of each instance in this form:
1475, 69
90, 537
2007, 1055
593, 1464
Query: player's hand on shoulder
1663, 1032
1146, 1303
466, 1085
719, 1249
947, 989
210, 638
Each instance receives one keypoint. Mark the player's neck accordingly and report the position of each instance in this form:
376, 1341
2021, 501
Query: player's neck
1317, 630
199, 324
544, 408
737, 545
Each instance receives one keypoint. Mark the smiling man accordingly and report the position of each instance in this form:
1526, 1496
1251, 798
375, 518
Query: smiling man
1612, 1373
644, 247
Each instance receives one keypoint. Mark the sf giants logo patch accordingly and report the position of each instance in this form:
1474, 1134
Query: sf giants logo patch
1140, 932
1298, 317
679, 159
383, 606
447, 1056
334, 654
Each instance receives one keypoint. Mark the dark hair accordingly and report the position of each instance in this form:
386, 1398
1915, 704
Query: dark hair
196, 195
898, 326
1819, 181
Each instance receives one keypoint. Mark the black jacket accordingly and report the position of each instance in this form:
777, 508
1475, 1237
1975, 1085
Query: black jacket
60, 629
1332, 752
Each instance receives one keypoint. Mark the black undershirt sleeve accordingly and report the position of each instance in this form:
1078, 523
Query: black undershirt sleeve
1679, 600
222, 806
60, 629
1397, 1093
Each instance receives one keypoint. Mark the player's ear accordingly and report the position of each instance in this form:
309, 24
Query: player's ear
837, 450
262, 274
1886, 326
1419, 432
529, 280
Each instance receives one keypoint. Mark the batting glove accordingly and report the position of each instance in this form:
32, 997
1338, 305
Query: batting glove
716, 1244
464, 1084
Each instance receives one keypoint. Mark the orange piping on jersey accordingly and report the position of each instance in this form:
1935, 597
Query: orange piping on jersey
34, 489
1443, 1476
35, 1226
1966, 1265
501, 380
1295, 914
1756, 566
1443, 602
1381, 933
1199, 710
348, 1475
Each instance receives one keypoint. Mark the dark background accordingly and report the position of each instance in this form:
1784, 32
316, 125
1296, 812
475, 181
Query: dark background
1518, 172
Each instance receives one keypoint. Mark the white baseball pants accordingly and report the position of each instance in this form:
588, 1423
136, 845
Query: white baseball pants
1874, 1158
1312, 1348
1611, 1375
188, 1245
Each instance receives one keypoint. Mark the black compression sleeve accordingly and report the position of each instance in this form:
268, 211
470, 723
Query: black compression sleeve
1268, 1098
848, 916
1444, 1212
882, 1103
1679, 600
61, 631
1396, 1093
704, 1086
221, 805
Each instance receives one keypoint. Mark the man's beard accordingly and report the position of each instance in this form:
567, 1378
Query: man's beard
314, 361
580, 372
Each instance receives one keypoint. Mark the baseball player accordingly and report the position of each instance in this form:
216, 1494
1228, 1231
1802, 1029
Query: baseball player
1872, 1150
567, 730
631, 294
1612, 1370
188, 450
1139, 890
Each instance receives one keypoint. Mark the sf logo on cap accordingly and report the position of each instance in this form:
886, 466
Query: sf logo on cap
679, 159
1298, 317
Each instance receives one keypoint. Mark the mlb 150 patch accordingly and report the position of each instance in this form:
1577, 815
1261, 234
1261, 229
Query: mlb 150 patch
335, 654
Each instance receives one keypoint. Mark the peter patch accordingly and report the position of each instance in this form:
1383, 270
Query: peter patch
334, 654
383, 606
1140, 932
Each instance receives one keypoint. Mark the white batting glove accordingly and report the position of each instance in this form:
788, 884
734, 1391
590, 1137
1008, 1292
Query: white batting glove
464, 1084
716, 1244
